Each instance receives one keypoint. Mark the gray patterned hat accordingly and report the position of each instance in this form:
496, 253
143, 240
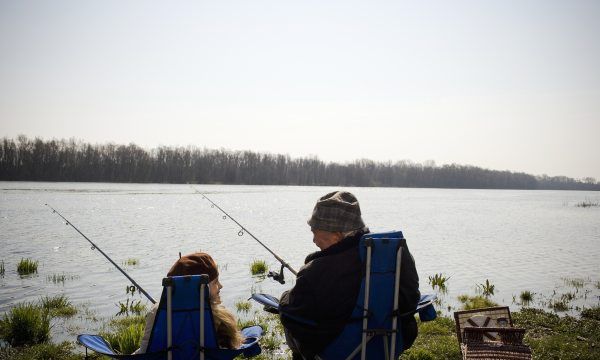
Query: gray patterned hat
337, 211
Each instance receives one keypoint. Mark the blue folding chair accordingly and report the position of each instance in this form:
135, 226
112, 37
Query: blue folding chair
183, 327
374, 329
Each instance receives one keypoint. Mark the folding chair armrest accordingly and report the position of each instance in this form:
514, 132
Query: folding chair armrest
96, 343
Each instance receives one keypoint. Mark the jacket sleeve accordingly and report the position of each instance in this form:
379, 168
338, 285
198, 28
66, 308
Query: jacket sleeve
299, 301
409, 283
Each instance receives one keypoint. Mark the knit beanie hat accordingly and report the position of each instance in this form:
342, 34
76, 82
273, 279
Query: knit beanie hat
337, 211
195, 264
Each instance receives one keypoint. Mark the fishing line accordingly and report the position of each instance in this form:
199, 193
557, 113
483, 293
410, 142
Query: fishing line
276, 276
95, 247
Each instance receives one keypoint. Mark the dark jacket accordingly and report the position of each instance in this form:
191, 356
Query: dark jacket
326, 291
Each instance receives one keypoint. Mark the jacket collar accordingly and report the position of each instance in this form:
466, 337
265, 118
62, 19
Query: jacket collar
345, 244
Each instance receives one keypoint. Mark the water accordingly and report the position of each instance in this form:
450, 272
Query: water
520, 240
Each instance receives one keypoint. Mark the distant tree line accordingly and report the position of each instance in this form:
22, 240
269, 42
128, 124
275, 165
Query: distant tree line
25, 159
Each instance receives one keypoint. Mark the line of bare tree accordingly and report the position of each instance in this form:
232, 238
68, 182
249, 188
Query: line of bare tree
24, 159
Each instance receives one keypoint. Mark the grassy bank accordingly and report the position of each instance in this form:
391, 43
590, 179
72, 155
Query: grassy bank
25, 329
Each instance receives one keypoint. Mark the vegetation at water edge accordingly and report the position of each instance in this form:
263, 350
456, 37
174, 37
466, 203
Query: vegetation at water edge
258, 267
27, 267
25, 324
58, 306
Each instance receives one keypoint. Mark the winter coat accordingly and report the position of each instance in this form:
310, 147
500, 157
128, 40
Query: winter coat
326, 292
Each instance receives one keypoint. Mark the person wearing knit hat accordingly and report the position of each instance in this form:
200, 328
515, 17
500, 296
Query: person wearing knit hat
328, 284
227, 332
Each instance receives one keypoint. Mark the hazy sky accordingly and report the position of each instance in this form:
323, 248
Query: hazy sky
499, 84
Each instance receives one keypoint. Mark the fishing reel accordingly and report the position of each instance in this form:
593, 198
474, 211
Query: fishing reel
277, 276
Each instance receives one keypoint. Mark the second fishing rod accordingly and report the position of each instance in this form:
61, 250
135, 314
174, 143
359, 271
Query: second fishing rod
276, 276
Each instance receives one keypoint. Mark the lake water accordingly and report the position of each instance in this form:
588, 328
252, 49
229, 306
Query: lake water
519, 240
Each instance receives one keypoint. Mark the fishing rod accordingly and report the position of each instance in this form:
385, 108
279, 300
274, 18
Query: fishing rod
95, 247
276, 276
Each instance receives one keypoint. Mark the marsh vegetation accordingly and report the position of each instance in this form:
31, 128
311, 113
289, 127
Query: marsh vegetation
27, 267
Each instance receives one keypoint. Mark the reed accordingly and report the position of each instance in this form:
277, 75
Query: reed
135, 307
475, 302
27, 267
587, 203
25, 324
131, 262
243, 306
59, 306
258, 267
126, 339
2, 268
486, 289
526, 297
439, 281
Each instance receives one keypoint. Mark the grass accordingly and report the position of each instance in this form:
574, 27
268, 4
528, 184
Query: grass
439, 281
27, 267
258, 267
576, 283
436, 340
526, 297
559, 337
242, 306
131, 262
475, 302
587, 203
25, 324
2, 268
135, 307
486, 289
47, 351
58, 306
126, 335
60, 278
591, 313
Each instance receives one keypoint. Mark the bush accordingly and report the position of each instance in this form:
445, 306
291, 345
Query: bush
25, 324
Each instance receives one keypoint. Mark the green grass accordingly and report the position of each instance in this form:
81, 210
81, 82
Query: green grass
47, 351
559, 337
243, 306
131, 262
591, 313
59, 306
436, 340
27, 267
25, 324
135, 307
475, 302
486, 289
258, 267
60, 278
126, 333
439, 281
526, 297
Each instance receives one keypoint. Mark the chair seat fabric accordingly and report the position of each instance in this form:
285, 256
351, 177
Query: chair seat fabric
186, 327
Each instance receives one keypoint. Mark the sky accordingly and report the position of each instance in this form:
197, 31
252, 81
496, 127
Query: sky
505, 85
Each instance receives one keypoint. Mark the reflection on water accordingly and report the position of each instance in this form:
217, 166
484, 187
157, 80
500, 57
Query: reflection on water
519, 240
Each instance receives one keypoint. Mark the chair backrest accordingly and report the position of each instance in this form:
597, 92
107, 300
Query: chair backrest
376, 303
190, 327
486, 317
